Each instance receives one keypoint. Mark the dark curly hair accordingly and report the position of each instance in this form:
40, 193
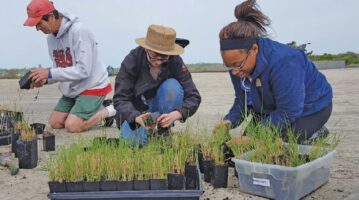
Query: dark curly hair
251, 22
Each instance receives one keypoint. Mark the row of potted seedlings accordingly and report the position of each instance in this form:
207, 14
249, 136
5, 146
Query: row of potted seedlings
162, 164
23, 139
212, 158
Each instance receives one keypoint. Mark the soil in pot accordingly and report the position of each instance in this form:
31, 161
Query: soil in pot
125, 185
191, 176
38, 127
57, 186
48, 141
220, 176
158, 184
207, 170
91, 186
141, 184
75, 186
108, 185
176, 181
27, 153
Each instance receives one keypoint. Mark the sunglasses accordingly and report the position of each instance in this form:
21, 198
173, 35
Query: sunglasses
157, 57
236, 67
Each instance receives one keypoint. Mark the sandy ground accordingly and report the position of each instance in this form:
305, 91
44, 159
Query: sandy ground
217, 94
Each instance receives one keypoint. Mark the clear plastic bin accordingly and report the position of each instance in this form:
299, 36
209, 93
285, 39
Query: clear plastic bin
281, 182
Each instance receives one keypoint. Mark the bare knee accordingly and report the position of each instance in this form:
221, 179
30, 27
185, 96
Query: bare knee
72, 127
55, 124
74, 124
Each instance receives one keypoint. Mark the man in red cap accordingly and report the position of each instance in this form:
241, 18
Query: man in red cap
83, 78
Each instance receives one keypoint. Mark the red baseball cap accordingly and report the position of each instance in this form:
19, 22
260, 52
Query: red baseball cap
36, 9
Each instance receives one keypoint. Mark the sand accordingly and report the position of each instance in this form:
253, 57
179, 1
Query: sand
217, 97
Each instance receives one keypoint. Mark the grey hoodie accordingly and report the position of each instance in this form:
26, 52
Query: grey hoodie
76, 61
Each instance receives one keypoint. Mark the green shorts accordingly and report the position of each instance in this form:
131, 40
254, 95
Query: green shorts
81, 106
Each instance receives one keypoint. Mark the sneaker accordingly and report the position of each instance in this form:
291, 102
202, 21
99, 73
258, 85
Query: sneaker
112, 112
321, 133
107, 102
109, 121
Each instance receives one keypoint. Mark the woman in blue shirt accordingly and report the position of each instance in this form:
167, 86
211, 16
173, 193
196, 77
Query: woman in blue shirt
275, 81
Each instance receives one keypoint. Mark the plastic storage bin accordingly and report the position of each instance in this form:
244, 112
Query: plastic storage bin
134, 195
281, 182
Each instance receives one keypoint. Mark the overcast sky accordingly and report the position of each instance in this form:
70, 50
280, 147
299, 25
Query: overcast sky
331, 26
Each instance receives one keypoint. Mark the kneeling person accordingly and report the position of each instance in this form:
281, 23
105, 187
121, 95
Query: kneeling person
153, 79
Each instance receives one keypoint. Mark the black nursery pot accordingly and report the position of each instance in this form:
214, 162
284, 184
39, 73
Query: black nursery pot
125, 185
141, 184
27, 153
5, 138
18, 116
220, 176
158, 184
191, 176
176, 181
228, 155
14, 138
48, 142
75, 186
91, 186
207, 170
57, 186
108, 186
200, 161
38, 127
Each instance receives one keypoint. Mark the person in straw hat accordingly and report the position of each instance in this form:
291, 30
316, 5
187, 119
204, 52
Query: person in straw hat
153, 87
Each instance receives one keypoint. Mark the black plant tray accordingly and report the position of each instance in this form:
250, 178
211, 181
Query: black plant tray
133, 195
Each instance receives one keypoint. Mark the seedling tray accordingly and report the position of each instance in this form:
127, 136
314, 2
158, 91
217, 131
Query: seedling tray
133, 195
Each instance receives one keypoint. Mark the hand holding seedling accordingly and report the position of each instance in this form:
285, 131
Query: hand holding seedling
39, 77
145, 121
224, 126
167, 119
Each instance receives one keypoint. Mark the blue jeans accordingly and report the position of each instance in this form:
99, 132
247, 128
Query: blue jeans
169, 96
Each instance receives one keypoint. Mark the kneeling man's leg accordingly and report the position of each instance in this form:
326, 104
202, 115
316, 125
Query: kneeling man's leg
85, 107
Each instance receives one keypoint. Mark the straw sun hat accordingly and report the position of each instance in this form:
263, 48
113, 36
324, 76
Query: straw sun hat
161, 40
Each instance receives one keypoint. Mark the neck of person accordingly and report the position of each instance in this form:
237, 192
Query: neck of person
57, 25
154, 70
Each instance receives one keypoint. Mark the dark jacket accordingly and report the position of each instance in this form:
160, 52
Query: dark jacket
285, 86
134, 83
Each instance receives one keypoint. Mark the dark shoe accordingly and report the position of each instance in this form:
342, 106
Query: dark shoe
321, 133
107, 102
109, 121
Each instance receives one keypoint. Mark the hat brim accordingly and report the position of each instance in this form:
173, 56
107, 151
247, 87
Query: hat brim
32, 21
176, 51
